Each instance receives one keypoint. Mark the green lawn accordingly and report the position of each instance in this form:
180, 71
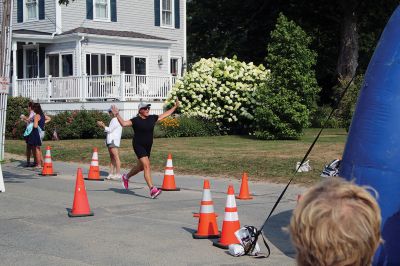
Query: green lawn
223, 156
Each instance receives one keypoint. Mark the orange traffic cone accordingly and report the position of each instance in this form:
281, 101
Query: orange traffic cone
205, 187
208, 227
48, 165
169, 177
80, 206
231, 222
244, 189
94, 170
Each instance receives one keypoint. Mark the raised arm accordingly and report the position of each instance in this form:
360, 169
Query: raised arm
47, 119
122, 122
169, 112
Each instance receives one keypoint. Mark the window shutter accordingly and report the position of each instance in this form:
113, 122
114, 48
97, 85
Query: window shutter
157, 12
20, 11
20, 63
113, 10
89, 9
41, 9
177, 15
42, 64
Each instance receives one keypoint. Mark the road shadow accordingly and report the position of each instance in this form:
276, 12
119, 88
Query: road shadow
127, 192
275, 233
16, 178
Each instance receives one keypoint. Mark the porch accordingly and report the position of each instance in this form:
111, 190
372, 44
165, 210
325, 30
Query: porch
122, 87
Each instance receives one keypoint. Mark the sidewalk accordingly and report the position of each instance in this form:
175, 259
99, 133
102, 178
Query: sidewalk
128, 227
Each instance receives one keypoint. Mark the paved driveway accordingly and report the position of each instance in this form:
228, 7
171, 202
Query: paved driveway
128, 227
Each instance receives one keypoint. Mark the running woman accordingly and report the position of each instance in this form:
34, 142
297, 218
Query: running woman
143, 127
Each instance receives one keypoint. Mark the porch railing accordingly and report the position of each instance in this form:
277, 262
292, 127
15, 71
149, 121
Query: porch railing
86, 88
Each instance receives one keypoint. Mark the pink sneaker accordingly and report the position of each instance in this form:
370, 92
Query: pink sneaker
125, 181
154, 192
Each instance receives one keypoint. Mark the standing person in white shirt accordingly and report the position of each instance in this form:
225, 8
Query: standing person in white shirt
113, 140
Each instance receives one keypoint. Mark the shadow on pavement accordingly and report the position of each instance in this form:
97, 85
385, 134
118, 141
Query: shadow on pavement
127, 192
15, 178
275, 233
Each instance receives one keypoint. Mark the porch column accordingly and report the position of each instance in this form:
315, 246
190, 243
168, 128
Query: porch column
15, 70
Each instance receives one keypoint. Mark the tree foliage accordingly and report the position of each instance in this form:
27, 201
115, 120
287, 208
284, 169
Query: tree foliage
285, 105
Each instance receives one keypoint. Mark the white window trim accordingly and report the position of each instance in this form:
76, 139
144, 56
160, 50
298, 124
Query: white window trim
60, 54
30, 47
178, 72
25, 12
102, 19
172, 26
91, 65
147, 64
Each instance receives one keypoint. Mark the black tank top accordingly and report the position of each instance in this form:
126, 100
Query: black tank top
143, 129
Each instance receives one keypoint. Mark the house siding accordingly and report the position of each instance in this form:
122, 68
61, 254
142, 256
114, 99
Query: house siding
130, 50
132, 15
45, 25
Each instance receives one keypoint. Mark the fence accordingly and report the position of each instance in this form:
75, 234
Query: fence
86, 88
3, 112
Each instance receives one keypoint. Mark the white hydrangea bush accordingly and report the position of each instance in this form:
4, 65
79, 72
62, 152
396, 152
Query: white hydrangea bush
220, 89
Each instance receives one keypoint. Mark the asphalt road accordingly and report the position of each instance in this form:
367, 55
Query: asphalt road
128, 227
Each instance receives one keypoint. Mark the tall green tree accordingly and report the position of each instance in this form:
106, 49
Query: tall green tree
286, 102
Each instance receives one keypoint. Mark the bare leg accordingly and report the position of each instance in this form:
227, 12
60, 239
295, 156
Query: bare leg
146, 167
38, 156
116, 161
28, 153
135, 170
111, 162
41, 162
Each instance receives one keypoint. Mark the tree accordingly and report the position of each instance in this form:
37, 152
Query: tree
286, 102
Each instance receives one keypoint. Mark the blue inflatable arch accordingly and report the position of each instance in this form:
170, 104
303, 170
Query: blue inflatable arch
372, 153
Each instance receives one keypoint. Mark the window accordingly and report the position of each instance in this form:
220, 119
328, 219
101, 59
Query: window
101, 9
67, 66
60, 65
99, 64
125, 63
140, 66
31, 7
166, 13
174, 67
31, 63
54, 65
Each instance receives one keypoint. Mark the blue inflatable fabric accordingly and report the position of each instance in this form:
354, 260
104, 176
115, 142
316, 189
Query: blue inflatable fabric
372, 153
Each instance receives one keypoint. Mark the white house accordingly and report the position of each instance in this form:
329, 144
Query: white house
92, 52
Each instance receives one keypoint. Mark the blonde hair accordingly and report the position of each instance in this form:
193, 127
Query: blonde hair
336, 223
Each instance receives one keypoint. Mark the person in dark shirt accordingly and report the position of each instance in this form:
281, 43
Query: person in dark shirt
143, 126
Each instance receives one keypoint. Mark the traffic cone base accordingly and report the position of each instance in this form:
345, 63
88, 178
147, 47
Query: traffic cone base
244, 189
219, 245
196, 236
48, 164
170, 189
169, 177
247, 198
94, 179
70, 214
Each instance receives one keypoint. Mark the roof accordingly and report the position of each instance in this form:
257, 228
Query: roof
117, 33
31, 32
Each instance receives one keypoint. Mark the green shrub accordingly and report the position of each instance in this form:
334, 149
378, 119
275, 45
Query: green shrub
15, 107
348, 104
220, 89
321, 114
127, 133
77, 124
286, 101
184, 126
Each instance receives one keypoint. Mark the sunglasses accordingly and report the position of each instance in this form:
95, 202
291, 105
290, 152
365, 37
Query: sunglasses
145, 108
